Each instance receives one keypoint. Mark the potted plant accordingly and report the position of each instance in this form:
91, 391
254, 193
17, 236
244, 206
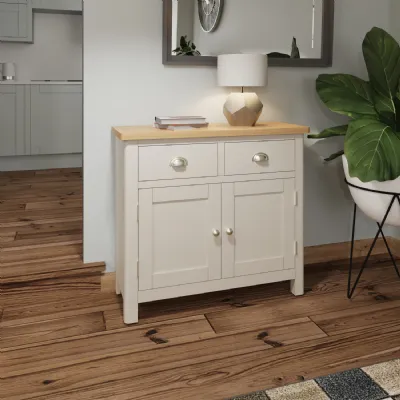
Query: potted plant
371, 156
186, 48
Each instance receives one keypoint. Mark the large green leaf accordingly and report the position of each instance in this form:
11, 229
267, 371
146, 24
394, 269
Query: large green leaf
382, 56
347, 95
331, 132
372, 149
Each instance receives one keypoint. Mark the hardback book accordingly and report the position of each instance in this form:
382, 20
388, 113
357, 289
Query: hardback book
180, 120
180, 127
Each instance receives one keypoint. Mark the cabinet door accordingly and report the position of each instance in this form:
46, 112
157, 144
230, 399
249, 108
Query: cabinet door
258, 227
177, 245
16, 21
56, 119
12, 110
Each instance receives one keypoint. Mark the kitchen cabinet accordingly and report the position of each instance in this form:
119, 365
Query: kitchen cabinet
198, 213
16, 21
58, 6
56, 119
12, 120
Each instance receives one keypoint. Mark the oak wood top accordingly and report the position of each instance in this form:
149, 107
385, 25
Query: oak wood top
126, 133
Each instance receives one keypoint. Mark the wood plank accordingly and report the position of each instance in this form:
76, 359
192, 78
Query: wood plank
394, 243
215, 372
70, 248
35, 198
6, 237
43, 194
100, 346
58, 171
41, 243
341, 251
31, 215
25, 308
7, 206
46, 289
37, 230
114, 319
22, 223
15, 174
137, 349
276, 310
46, 270
353, 320
54, 205
44, 331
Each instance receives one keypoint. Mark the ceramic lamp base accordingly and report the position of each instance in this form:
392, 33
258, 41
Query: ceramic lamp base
243, 109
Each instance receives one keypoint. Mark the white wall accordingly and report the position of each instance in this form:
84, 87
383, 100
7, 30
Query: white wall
124, 36
262, 26
56, 53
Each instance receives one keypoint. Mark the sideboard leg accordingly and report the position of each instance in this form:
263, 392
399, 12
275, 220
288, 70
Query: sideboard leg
297, 285
131, 309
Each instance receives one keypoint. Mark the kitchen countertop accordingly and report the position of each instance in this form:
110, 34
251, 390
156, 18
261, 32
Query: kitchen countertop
40, 82
212, 131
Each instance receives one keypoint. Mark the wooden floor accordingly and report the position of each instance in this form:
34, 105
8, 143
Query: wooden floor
40, 224
64, 339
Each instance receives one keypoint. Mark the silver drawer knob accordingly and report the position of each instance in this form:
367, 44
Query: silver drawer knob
216, 232
178, 162
229, 232
260, 157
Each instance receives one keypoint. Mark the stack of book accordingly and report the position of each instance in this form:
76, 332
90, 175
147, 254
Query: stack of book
180, 123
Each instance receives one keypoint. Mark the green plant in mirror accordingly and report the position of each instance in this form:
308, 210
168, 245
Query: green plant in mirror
186, 48
372, 137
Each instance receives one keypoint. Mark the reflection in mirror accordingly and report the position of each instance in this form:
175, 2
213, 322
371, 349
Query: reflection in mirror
279, 28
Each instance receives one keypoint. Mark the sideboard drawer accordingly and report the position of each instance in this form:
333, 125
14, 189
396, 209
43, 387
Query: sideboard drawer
178, 161
242, 158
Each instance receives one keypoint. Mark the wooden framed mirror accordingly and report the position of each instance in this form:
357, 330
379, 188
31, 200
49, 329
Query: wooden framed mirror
293, 33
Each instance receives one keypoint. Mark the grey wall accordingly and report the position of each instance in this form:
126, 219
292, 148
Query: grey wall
56, 53
125, 83
395, 19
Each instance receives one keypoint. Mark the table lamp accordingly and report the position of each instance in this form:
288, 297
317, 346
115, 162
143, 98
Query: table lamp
243, 70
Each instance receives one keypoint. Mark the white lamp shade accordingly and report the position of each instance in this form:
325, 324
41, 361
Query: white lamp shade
243, 70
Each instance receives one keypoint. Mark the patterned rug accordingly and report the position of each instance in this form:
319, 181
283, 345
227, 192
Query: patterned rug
378, 382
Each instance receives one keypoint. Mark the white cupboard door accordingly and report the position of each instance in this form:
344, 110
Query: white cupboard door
179, 235
258, 227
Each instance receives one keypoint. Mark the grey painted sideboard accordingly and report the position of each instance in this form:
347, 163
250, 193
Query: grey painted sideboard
40, 119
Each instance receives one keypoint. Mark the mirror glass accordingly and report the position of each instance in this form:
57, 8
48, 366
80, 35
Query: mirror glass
279, 28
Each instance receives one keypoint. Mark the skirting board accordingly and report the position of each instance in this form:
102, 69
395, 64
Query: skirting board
312, 255
29, 163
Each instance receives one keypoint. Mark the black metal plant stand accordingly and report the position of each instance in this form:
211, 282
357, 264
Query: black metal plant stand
395, 196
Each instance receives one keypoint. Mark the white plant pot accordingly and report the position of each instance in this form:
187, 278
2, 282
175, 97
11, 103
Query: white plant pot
375, 205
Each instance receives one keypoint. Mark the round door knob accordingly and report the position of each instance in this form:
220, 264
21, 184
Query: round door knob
216, 232
229, 232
